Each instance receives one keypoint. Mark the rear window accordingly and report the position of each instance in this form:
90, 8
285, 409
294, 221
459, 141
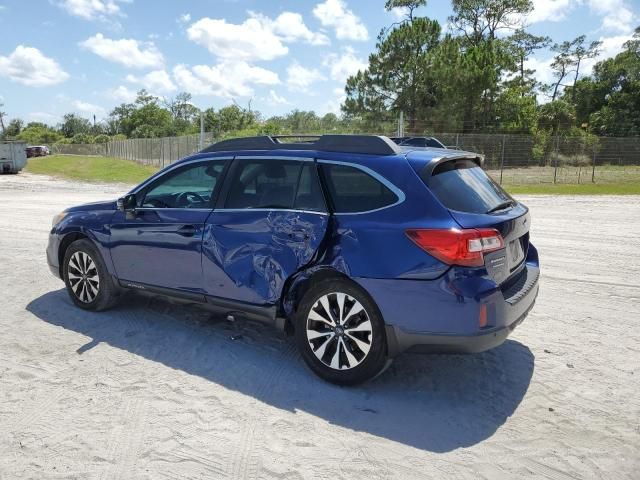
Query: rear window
463, 186
353, 190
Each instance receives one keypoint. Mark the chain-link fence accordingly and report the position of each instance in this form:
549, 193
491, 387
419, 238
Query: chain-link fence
510, 159
148, 151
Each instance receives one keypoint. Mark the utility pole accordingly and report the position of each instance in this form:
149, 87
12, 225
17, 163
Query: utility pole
2, 115
201, 130
401, 124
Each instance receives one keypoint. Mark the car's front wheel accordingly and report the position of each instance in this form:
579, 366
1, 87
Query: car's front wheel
88, 282
340, 332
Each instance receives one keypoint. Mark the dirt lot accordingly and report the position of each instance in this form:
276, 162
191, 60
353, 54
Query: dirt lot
158, 390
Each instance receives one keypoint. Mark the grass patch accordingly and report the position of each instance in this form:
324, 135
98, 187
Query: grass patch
90, 169
574, 189
104, 169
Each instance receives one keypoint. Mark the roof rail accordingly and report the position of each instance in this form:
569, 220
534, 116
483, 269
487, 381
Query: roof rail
367, 144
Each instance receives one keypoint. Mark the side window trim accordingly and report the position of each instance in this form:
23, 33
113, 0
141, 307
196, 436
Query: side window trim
401, 197
144, 187
234, 165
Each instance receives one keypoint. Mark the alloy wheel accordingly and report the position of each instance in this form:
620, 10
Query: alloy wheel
83, 277
339, 331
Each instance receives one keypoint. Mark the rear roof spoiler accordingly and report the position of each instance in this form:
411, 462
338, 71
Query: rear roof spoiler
430, 166
365, 144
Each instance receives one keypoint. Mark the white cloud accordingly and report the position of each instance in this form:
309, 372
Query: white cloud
347, 25
257, 38
334, 104
616, 15
611, 46
27, 65
43, 117
342, 66
274, 99
543, 72
91, 9
400, 13
250, 40
88, 108
155, 81
126, 51
301, 78
122, 94
184, 18
550, 10
291, 27
226, 79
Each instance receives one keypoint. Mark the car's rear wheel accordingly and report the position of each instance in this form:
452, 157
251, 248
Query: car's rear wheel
340, 332
88, 282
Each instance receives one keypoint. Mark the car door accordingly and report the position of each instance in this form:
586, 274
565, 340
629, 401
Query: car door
272, 219
161, 244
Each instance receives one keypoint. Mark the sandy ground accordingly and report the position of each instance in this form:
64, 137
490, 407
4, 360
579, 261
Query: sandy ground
158, 390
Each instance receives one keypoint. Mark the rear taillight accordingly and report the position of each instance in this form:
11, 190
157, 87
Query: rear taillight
458, 247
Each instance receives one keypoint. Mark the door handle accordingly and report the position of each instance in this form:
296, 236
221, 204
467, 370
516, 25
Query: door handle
187, 231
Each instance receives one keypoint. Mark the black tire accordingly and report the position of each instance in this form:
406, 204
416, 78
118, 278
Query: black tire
366, 365
85, 297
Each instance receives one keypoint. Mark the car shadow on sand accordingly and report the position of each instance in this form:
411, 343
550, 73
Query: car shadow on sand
432, 402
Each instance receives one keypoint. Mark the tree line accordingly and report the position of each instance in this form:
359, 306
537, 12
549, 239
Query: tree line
473, 78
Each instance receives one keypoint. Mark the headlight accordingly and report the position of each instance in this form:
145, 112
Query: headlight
58, 218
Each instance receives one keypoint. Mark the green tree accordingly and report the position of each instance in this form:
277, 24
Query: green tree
229, 119
399, 76
480, 20
14, 128
523, 44
483, 56
557, 116
73, 124
609, 101
39, 133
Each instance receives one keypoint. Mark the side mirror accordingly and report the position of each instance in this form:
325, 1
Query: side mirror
128, 203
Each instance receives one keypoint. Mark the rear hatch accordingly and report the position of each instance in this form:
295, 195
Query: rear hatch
475, 201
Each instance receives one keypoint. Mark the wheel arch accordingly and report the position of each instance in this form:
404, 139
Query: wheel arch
67, 240
297, 285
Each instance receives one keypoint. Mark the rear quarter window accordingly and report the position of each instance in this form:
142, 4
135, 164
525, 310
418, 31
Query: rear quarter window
462, 185
353, 190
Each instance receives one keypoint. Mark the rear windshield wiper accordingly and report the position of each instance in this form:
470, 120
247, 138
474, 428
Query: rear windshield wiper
501, 206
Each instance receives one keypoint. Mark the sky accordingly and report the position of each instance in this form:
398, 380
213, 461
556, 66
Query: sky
87, 56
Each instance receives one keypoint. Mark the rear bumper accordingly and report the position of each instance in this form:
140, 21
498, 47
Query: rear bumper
443, 315
400, 340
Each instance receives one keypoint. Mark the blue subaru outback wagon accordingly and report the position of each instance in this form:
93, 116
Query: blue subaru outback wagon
359, 247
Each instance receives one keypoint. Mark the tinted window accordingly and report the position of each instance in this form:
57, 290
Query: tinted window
424, 142
309, 196
188, 187
462, 185
264, 183
415, 142
432, 142
353, 190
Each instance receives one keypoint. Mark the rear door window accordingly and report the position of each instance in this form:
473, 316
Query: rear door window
463, 186
264, 183
309, 195
352, 190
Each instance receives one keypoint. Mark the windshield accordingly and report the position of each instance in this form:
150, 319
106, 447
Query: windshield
463, 186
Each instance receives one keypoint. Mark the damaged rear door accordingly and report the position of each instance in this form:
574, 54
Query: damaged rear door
269, 222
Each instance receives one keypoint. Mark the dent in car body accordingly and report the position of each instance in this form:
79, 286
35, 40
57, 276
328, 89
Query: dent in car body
249, 254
